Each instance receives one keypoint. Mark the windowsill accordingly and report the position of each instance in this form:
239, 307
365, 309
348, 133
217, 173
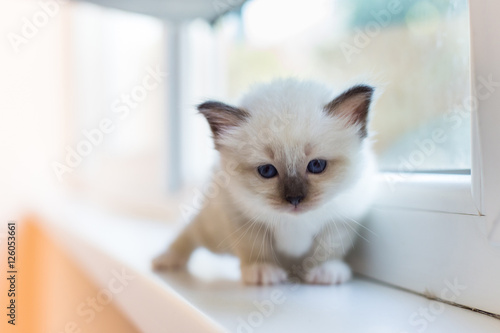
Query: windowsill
448, 193
210, 298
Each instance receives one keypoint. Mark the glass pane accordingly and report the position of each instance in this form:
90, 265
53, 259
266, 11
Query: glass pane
416, 52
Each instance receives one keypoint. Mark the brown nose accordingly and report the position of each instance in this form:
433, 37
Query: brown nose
294, 200
294, 189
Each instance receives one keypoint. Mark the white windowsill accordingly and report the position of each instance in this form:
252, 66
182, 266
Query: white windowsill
211, 298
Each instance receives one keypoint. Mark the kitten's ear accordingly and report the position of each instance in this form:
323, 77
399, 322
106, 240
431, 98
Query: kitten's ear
221, 116
353, 105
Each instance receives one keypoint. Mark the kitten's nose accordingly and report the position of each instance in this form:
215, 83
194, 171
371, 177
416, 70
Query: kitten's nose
294, 200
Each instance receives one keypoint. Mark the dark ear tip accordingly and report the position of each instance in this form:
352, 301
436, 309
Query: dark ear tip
208, 105
362, 89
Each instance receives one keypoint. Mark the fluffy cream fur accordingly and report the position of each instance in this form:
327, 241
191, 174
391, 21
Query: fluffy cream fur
286, 123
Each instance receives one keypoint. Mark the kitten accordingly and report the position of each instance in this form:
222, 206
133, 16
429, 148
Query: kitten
301, 173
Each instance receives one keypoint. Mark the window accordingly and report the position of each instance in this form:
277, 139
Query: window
416, 52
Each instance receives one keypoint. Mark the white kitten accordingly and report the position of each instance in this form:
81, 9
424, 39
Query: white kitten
301, 174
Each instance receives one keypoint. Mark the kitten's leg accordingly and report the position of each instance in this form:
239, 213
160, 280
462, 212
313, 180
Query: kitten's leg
330, 248
258, 263
262, 273
205, 230
178, 253
330, 272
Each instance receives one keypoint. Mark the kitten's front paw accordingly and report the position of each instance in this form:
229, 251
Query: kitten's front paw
262, 274
169, 260
330, 272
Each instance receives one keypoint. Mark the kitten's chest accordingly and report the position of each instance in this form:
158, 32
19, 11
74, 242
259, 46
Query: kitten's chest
294, 240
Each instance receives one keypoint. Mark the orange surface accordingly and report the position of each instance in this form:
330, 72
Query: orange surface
49, 288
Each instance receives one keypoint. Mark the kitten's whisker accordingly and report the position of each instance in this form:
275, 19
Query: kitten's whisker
341, 238
240, 237
329, 235
352, 228
271, 240
255, 238
357, 233
343, 222
330, 231
360, 224
233, 232
347, 232
264, 247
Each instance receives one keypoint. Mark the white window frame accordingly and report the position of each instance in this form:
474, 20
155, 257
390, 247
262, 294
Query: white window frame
434, 229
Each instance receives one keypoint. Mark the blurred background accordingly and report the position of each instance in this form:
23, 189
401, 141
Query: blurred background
87, 64
98, 97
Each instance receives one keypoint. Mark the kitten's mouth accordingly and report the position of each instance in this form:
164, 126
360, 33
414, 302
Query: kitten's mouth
300, 208
295, 209
291, 209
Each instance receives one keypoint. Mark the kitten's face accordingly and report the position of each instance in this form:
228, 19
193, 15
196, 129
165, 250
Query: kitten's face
293, 145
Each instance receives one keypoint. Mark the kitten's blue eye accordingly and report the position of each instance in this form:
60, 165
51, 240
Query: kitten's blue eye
316, 166
267, 171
